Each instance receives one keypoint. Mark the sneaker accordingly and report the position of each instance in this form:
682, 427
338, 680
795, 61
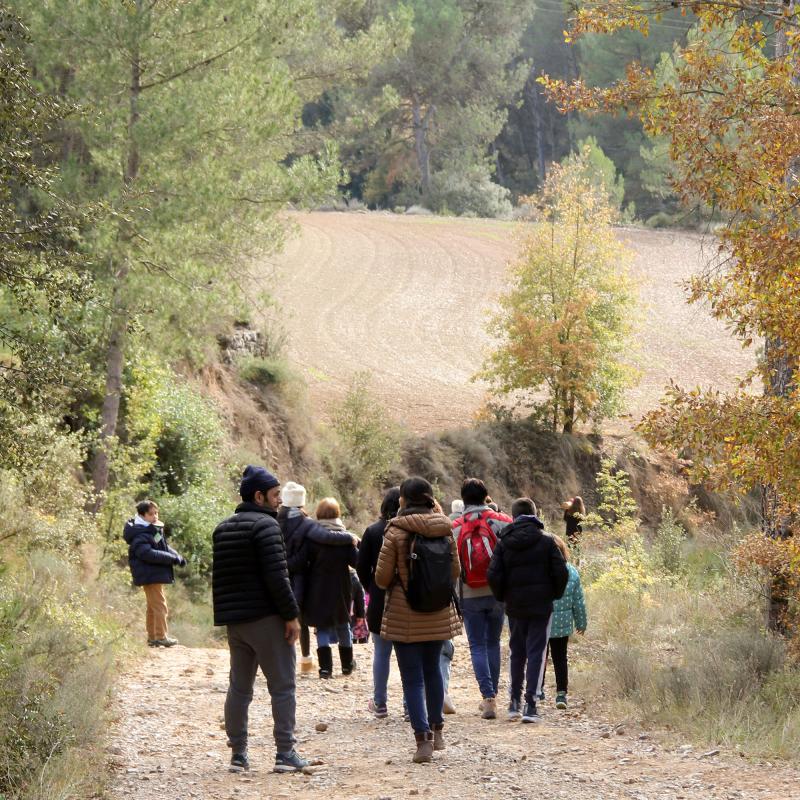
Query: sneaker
530, 714
239, 763
561, 700
380, 712
540, 695
289, 762
489, 708
514, 709
167, 641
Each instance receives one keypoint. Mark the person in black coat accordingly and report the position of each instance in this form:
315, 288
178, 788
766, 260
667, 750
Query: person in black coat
253, 598
151, 561
298, 530
328, 594
368, 553
527, 572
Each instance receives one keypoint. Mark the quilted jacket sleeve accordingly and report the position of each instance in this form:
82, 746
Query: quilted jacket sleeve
579, 607
559, 574
144, 551
387, 562
271, 557
497, 573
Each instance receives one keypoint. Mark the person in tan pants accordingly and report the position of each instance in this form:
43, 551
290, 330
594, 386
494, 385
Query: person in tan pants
151, 561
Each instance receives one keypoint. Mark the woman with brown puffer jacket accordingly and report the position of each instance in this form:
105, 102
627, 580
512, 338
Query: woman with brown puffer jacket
417, 636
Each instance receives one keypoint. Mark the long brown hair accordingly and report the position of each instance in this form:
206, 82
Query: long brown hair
575, 506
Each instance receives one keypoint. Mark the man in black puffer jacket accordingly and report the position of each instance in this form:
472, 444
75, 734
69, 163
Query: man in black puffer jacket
253, 597
527, 573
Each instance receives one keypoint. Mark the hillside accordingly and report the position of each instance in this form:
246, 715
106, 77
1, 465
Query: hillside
406, 298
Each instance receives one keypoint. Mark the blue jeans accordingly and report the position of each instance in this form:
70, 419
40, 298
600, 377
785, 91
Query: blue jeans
381, 664
421, 673
445, 662
526, 662
340, 634
483, 620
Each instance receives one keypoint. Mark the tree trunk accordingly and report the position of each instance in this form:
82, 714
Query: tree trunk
115, 351
532, 90
569, 413
421, 146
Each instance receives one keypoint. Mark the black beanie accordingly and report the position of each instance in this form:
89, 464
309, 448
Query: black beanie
256, 479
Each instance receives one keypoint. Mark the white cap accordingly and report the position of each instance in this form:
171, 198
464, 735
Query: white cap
457, 507
293, 495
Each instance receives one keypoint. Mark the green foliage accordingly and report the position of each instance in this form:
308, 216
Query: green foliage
616, 508
264, 371
41, 279
367, 445
468, 191
55, 670
563, 326
598, 170
668, 544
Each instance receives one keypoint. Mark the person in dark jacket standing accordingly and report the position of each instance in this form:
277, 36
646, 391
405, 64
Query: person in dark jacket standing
253, 598
329, 592
527, 572
298, 530
151, 561
368, 553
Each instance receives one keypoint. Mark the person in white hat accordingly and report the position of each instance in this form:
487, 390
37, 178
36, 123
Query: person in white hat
297, 526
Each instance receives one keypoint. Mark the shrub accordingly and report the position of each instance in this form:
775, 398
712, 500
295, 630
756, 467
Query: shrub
469, 190
55, 669
264, 371
668, 544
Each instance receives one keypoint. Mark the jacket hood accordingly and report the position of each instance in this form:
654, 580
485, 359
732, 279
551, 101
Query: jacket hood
431, 525
522, 532
130, 530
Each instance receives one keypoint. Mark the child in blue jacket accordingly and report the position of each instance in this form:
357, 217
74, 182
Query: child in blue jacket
569, 615
151, 561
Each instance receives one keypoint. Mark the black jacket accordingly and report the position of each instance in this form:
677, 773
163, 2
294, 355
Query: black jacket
250, 579
149, 556
329, 590
298, 531
527, 571
368, 552
359, 608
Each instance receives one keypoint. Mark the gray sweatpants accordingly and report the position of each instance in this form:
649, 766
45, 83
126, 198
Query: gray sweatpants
261, 643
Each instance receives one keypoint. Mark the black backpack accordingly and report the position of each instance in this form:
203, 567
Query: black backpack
430, 563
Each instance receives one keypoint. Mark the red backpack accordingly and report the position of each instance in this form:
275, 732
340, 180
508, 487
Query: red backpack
476, 543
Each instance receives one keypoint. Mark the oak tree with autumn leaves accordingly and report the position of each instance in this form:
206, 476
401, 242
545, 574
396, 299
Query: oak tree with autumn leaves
730, 116
563, 323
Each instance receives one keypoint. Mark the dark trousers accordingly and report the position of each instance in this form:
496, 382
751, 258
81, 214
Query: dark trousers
305, 639
558, 652
263, 644
528, 642
423, 688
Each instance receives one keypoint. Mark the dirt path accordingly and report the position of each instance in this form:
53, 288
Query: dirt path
169, 744
407, 299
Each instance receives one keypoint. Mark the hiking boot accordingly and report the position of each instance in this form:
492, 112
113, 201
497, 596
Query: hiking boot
239, 763
380, 711
306, 665
561, 700
530, 714
167, 641
289, 762
424, 752
325, 659
447, 706
514, 709
489, 708
347, 660
438, 736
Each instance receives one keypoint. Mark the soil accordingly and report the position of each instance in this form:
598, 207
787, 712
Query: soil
407, 299
167, 742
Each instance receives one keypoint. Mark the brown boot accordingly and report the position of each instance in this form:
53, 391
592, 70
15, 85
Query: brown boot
438, 736
424, 752
489, 708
